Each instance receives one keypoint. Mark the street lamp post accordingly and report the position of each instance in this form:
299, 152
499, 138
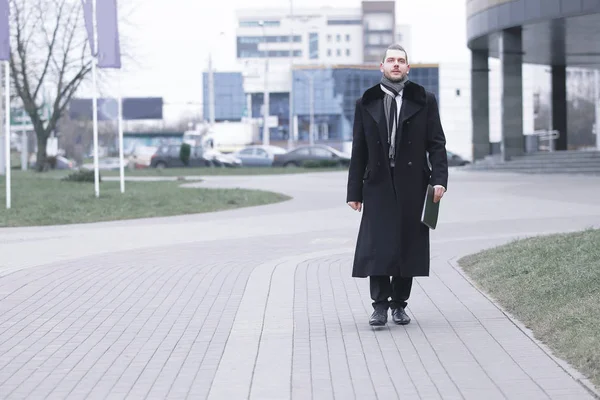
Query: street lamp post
266, 133
597, 104
311, 101
291, 117
211, 91
311, 88
211, 85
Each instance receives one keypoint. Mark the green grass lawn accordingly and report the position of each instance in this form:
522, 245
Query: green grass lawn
552, 285
219, 171
43, 199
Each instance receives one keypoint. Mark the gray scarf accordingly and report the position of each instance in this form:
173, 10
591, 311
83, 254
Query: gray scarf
391, 90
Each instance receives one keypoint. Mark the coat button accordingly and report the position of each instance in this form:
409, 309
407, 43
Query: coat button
378, 163
409, 142
410, 163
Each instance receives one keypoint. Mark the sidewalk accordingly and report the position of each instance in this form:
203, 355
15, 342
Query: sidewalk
259, 303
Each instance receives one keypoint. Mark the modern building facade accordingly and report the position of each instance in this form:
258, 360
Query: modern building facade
270, 43
379, 28
324, 94
323, 36
229, 89
320, 36
556, 33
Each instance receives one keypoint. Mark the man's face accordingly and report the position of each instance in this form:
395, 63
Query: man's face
395, 66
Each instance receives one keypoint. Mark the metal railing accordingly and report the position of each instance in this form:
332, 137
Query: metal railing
541, 140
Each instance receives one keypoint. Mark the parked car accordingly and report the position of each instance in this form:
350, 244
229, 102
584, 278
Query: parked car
298, 156
454, 160
258, 155
168, 156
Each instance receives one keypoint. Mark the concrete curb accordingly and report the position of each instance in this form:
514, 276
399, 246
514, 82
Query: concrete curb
565, 366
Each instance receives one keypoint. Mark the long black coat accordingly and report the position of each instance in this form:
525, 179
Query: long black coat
392, 240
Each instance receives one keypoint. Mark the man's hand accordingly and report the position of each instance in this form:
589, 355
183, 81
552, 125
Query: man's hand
438, 193
355, 205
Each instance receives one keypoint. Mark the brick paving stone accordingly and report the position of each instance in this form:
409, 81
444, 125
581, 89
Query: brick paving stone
259, 303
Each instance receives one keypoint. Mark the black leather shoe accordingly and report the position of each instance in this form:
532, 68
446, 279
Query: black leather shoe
400, 317
378, 318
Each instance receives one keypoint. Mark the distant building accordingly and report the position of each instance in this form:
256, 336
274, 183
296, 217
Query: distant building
323, 36
335, 90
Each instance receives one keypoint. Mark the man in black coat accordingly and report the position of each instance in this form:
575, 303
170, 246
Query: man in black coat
397, 136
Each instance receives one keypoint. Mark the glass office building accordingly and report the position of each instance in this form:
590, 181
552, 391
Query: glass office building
334, 91
279, 105
230, 100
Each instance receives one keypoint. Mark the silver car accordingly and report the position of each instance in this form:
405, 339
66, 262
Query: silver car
258, 155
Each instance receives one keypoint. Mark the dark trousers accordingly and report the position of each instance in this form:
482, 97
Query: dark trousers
382, 289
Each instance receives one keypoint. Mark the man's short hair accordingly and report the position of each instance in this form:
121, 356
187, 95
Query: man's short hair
395, 46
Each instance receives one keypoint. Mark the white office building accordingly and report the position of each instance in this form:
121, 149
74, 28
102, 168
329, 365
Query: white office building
273, 39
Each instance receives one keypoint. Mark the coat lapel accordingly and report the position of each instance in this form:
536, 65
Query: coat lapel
375, 108
408, 109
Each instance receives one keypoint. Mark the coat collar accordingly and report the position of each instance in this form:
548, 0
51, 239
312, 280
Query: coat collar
413, 99
412, 92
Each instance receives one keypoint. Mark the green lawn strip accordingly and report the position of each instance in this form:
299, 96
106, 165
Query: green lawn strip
552, 285
43, 199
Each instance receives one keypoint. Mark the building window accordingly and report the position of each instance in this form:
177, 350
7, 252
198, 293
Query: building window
348, 52
378, 39
338, 37
313, 45
269, 39
283, 39
254, 24
249, 53
329, 38
329, 52
339, 52
344, 22
379, 22
347, 38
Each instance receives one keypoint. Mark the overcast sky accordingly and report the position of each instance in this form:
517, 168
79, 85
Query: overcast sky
170, 40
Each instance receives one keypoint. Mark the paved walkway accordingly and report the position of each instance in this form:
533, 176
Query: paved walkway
258, 303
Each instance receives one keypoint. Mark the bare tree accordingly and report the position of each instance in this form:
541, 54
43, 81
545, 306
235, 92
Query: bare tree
49, 60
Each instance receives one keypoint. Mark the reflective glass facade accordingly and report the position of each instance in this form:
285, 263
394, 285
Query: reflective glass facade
313, 45
279, 105
230, 100
335, 91
335, 94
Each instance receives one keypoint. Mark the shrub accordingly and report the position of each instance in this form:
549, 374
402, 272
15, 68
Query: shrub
184, 153
81, 176
321, 164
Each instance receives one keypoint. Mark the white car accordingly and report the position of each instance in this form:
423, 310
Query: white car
221, 159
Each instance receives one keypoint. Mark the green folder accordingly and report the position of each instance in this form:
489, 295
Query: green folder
431, 210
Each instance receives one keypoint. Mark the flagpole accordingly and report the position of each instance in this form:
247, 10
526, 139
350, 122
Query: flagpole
95, 102
120, 122
7, 132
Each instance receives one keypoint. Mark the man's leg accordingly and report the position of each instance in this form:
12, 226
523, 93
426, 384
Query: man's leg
381, 290
401, 288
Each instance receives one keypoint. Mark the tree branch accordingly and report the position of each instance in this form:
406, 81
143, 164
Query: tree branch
51, 45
